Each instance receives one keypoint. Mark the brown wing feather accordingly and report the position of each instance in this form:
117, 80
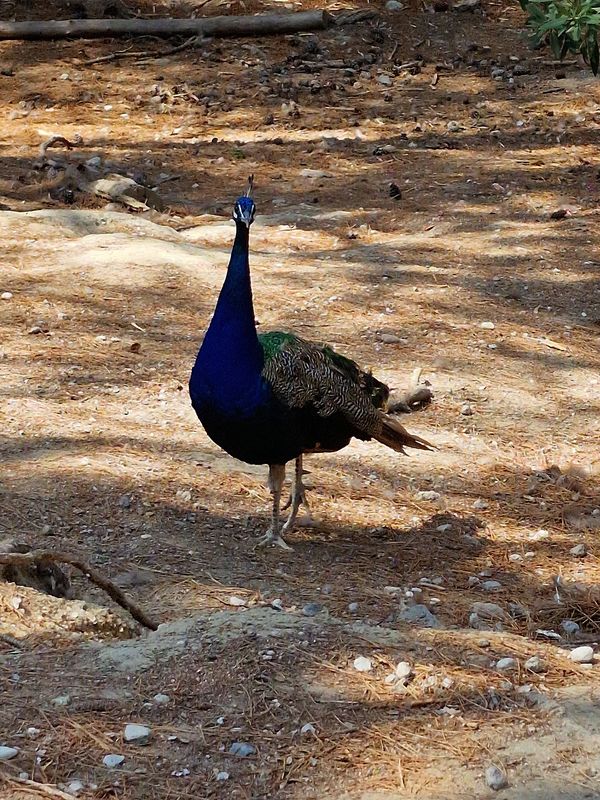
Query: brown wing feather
302, 373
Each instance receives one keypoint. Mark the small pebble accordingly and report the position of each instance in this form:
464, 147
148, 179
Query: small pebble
487, 326
495, 778
61, 700
506, 664
537, 536
312, 609
125, 501
480, 505
242, 749
222, 776
6, 753
570, 627
308, 728
6, 295
466, 410
428, 495
491, 586
515, 557
314, 174
161, 699
353, 608
419, 614
582, 655
390, 338
75, 787
384, 80
394, 5
113, 760
403, 670
453, 126
363, 664
580, 551
535, 664
238, 602
136, 733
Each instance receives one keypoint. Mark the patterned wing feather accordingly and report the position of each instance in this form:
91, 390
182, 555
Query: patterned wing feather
304, 374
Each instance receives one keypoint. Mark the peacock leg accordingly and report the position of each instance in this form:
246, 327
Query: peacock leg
273, 535
297, 498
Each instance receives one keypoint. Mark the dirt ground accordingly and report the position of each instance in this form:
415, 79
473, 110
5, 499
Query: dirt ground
468, 275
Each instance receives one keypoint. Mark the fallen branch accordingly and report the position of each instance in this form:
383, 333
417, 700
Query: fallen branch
250, 25
111, 589
416, 397
148, 55
53, 140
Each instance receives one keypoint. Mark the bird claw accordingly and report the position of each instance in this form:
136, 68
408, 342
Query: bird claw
272, 538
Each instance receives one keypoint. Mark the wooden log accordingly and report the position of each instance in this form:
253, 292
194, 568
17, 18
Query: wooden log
251, 25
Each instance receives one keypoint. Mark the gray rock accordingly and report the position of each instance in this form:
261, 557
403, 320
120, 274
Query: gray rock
61, 700
312, 609
6, 753
362, 664
113, 760
403, 670
139, 734
489, 611
495, 778
537, 536
242, 749
419, 614
535, 664
125, 501
507, 664
582, 655
384, 80
390, 338
428, 495
521, 69
480, 505
466, 5
353, 608
517, 611
222, 776
491, 586
466, 410
580, 551
161, 699
75, 787
394, 5
570, 627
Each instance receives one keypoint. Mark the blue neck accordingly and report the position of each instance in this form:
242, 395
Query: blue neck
231, 356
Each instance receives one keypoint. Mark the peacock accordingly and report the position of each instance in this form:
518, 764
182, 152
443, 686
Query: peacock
271, 398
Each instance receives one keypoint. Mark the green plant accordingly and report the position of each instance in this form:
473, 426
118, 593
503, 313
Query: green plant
568, 26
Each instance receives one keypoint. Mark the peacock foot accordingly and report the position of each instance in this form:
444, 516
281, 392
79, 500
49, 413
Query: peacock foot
272, 537
297, 497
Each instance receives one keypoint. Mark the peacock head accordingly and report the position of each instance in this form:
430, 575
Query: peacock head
244, 208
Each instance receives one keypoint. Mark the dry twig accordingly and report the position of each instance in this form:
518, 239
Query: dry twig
113, 591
